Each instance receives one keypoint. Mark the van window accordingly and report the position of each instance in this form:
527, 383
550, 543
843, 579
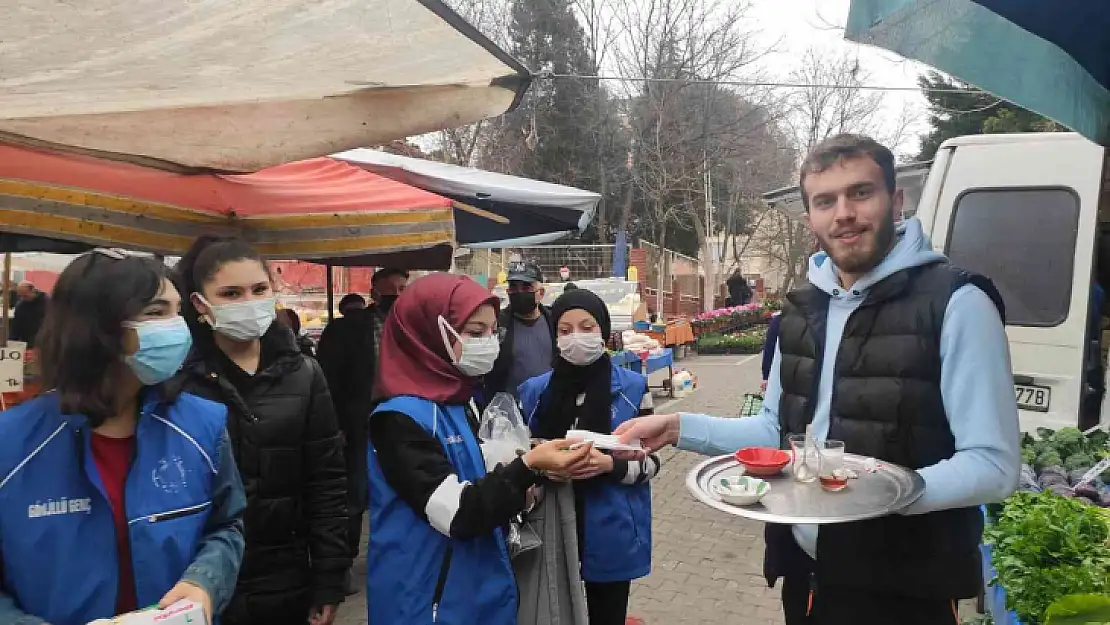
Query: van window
1023, 240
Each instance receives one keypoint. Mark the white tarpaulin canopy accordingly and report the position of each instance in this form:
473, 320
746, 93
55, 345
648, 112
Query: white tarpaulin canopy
536, 212
239, 85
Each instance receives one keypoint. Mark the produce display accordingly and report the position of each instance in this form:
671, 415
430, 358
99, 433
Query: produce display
734, 330
744, 342
635, 342
1050, 541
1046, 547
753, 405
1057, 461
748, 313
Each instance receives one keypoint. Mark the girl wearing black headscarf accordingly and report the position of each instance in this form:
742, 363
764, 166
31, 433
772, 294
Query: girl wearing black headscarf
586, 391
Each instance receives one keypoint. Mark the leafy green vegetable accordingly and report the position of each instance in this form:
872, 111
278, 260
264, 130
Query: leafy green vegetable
1046, 547
1079, 461
1050, 458
1079, 610
1068, 441
1099, 438
1045, 433
1068, 448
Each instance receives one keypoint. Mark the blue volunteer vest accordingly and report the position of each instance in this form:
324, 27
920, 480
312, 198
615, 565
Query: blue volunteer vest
408, 556
57, 538
616, 545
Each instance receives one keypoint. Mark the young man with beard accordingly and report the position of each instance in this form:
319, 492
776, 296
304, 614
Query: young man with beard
902, 356
527, 336
348, 354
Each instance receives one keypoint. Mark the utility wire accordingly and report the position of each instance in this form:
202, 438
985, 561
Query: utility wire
968, 111
749, 83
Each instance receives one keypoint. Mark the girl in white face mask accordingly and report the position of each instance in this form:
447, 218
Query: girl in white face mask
436, 513
586, 391
283, 430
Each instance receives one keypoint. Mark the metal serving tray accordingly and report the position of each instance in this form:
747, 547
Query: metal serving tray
871, 495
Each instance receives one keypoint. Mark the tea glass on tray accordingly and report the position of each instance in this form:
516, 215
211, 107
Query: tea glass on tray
832, 474
805, 461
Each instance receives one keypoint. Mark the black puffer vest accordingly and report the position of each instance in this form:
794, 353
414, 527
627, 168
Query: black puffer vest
886, 404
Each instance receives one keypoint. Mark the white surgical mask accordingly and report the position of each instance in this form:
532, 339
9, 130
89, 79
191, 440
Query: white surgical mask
243, 321
478, 353
581, 348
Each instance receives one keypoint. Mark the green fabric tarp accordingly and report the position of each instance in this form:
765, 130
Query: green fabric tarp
975, 44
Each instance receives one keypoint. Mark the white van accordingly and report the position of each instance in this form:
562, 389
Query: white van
1025, 210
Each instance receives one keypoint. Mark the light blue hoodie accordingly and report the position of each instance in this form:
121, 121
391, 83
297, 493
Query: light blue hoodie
977, 387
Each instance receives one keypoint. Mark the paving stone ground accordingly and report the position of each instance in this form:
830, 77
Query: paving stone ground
706, 564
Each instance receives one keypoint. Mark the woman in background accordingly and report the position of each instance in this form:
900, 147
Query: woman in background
289, 317
283, 429
586, 391
81, 550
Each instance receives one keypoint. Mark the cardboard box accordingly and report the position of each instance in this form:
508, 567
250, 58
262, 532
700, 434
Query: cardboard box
183, 612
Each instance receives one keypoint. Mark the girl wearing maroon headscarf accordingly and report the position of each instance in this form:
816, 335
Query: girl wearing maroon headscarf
437, 551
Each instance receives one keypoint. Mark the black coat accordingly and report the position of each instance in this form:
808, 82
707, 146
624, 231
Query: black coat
27, 319
287, 445
739, 291
346, 353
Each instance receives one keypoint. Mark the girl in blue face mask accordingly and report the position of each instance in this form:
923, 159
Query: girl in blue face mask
115, 493
283, 429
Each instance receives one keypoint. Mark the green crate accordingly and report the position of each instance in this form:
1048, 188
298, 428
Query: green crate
753, 404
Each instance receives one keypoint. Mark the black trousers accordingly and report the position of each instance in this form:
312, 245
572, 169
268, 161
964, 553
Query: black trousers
807, 604
607, 602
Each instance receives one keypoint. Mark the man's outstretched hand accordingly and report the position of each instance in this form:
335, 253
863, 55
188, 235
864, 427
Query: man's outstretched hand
655, 432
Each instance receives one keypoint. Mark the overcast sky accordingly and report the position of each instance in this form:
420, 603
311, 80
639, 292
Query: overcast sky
800, 24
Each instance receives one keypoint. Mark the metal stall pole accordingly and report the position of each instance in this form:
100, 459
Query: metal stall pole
7, 298
329, 283
7, 320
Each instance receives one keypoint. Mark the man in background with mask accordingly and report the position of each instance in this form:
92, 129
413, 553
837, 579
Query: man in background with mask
385, 287
348, 354
527, 337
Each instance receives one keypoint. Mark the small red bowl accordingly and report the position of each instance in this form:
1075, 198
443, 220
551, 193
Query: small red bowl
762, 461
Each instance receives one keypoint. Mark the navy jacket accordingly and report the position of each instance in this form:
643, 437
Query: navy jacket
769, 346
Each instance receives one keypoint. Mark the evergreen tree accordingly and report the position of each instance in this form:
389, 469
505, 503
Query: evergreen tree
970, 112
565, 131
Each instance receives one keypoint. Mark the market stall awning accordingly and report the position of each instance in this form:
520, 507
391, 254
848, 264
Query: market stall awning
320, 209
537, 212
1049, 56
240, 86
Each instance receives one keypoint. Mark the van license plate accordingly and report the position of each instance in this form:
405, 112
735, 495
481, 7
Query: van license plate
1035, 398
